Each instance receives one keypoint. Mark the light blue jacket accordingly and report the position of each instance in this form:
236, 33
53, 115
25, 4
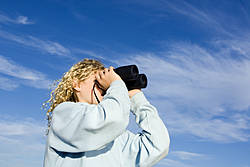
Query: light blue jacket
89, 135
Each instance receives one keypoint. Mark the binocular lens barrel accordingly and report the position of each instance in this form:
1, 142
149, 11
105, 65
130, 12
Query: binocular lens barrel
127, 72
130, 75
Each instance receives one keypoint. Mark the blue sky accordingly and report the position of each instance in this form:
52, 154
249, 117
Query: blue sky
196, 55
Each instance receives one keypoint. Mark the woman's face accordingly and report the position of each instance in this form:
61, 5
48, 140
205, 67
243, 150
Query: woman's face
86, 88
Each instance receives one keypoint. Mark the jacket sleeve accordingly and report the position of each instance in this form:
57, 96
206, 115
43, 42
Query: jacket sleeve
152, 144
79, 127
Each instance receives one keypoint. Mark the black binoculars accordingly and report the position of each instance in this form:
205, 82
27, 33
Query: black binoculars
130, 75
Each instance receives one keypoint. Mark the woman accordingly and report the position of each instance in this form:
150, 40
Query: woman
88, 116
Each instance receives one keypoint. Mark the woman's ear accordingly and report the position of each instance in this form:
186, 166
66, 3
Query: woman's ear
76, 85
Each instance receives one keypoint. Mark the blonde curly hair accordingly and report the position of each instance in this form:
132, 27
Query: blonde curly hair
63, 89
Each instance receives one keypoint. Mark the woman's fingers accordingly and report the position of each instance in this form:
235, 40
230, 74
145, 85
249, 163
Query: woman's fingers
101, 73
111, 68
97, 76
106, 77
106, 70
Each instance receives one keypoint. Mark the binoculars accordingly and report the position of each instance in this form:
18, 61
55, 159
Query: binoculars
130, 75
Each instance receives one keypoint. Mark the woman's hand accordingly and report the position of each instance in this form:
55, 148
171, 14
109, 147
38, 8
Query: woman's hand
106, 77
132, 92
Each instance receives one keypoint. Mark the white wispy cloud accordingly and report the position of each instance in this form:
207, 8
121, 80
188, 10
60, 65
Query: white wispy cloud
28, 76
18, 20
215, 21
185, 8
239, 46
23, 20
10, 68
218, 129
88, 53
173, 163
199, 91
7, 84
50, 47
184, 155
4, 139
22, 142
5, 19
182, 159
192, 12
20, 128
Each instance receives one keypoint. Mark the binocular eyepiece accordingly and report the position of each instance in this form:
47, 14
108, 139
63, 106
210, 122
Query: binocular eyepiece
130, 75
